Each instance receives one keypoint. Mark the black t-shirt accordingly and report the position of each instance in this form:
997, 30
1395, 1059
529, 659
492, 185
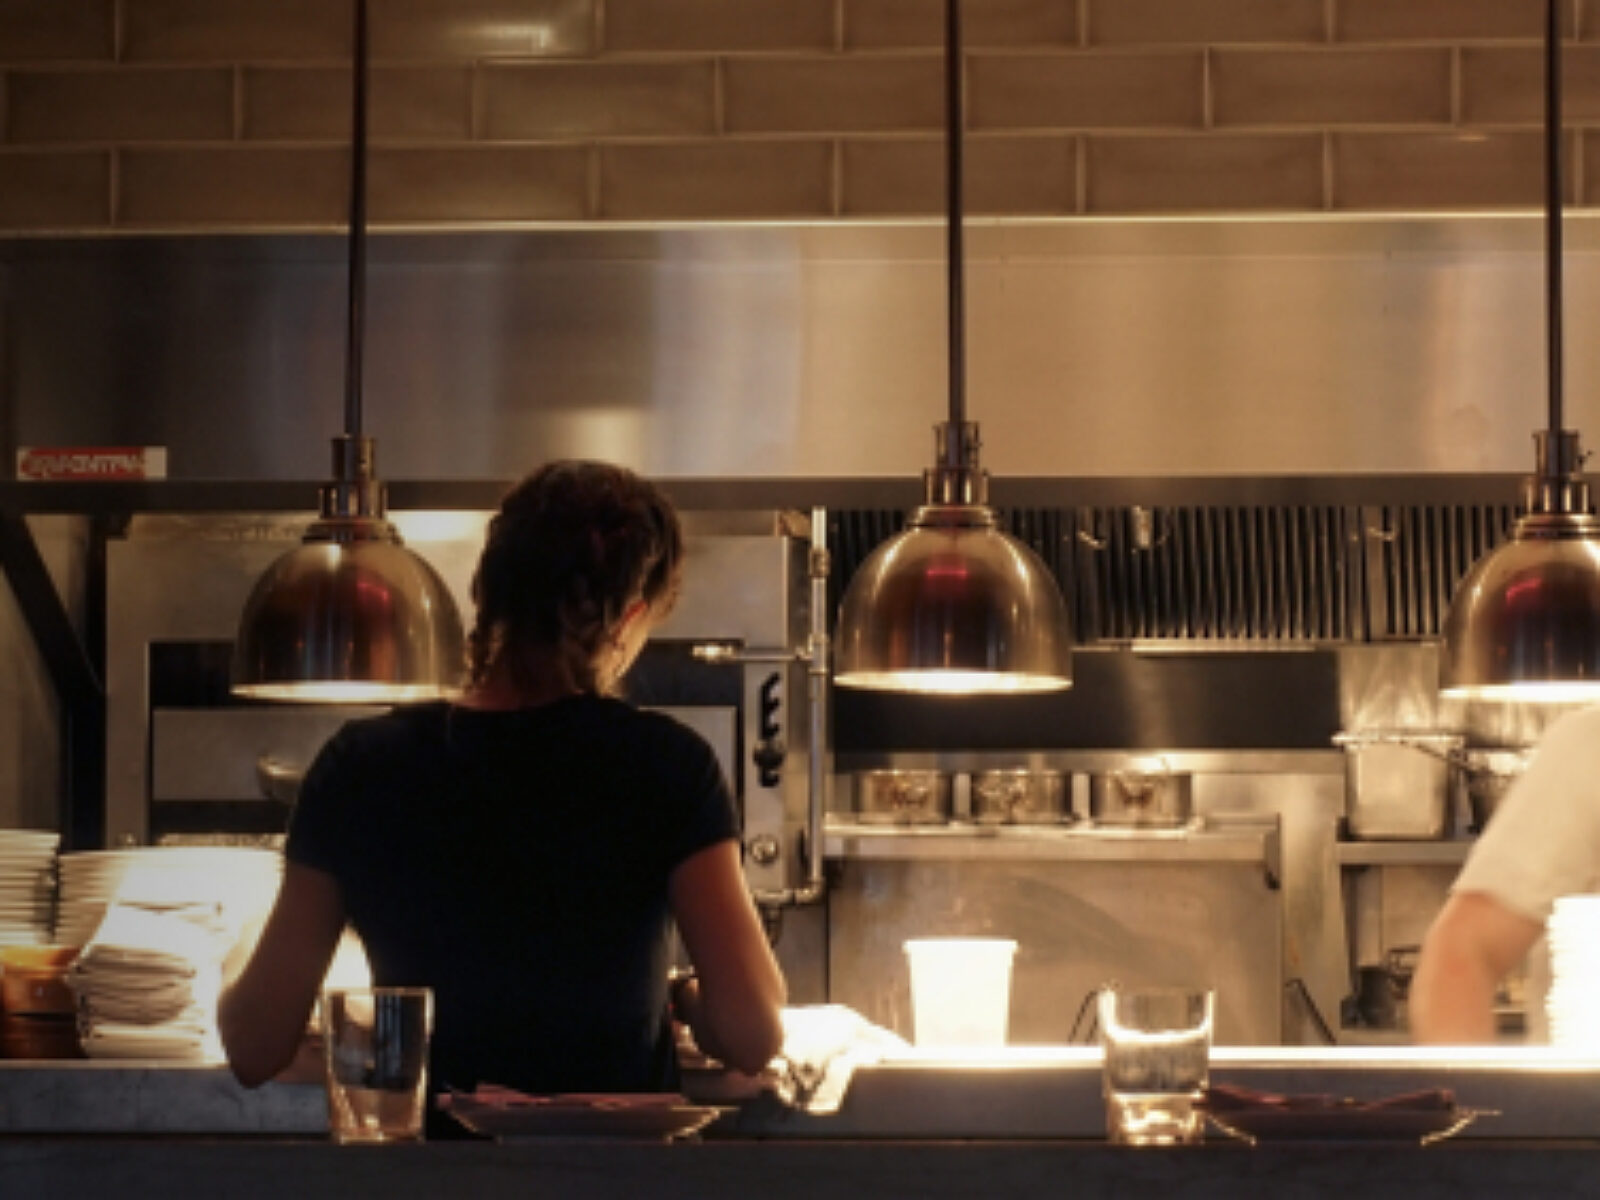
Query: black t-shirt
517, 863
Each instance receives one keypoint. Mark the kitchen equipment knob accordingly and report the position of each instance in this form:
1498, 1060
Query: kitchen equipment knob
764, 850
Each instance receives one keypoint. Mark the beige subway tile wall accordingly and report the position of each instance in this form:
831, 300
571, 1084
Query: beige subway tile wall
235, 114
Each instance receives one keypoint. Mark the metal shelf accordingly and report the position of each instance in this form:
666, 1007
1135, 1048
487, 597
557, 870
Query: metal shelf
1253, 842
1402, 854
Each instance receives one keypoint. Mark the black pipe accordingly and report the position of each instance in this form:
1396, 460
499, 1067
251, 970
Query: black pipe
355, 315
955, 253
1552, 206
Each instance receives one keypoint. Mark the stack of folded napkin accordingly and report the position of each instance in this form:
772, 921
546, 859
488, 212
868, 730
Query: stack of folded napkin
147, 982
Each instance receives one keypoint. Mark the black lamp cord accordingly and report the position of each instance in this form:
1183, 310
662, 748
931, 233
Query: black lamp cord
358, 229
955, 252
1552, 201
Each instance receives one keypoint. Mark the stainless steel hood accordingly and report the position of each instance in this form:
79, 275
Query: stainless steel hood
1151, 347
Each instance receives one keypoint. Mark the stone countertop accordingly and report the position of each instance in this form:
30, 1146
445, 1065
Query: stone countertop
244, 1169
1055, 1092
1023, 1123
1016, 1093
142, 1097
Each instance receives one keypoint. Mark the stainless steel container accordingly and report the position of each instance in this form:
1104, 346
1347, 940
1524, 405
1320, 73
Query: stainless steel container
903, 796
1021, 796
1146, 794
1400, 785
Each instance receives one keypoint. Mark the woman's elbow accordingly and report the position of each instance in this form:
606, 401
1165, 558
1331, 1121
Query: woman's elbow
755, 1042
253, 1058
250, 1066
249, 1074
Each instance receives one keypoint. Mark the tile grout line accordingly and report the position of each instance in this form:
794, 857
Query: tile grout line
1577, 190
1329, 193
1457, 86
594, 183
1080, 183
719, 96
114, 183
836, 189
475, 102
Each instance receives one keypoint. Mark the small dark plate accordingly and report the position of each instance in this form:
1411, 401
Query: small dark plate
1337, 1124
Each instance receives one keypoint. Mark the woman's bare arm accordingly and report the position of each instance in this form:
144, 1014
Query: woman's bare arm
263, 1011
1473, 943
733, 1007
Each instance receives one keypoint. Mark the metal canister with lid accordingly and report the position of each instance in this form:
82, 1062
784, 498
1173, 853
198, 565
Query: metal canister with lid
903, 796
1021, 796
1147, 794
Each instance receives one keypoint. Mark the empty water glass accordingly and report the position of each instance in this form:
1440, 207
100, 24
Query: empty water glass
1157, 1063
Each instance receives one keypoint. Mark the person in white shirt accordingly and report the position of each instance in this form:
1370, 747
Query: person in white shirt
1543, 842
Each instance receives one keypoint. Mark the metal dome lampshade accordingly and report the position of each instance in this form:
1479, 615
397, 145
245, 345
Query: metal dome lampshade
350, 615
1524, 624
952, 604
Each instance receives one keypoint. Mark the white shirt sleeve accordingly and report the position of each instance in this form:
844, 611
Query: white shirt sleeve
1544, 838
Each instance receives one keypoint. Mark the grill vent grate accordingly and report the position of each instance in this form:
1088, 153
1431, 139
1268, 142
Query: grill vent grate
1236, 574
1223, 574
1423, 554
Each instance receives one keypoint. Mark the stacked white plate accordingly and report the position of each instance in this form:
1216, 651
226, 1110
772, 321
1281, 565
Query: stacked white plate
27, 886
243, 880
1573, 932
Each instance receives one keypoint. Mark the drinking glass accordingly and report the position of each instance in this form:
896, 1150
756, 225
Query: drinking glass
1157, 1062
375, 1046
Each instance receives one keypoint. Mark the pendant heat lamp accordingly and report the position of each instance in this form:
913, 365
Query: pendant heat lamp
952, 604
350, 615
1524, 624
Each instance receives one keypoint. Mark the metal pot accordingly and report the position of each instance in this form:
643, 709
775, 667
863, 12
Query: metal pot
1020, 796
1382, 990
1489, 775
1147, 794
903, 796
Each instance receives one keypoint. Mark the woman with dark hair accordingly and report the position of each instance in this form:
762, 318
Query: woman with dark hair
525, 850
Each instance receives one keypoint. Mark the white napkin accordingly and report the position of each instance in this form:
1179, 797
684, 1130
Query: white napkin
148, 980
823, 1044
149, 1041
177, 938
